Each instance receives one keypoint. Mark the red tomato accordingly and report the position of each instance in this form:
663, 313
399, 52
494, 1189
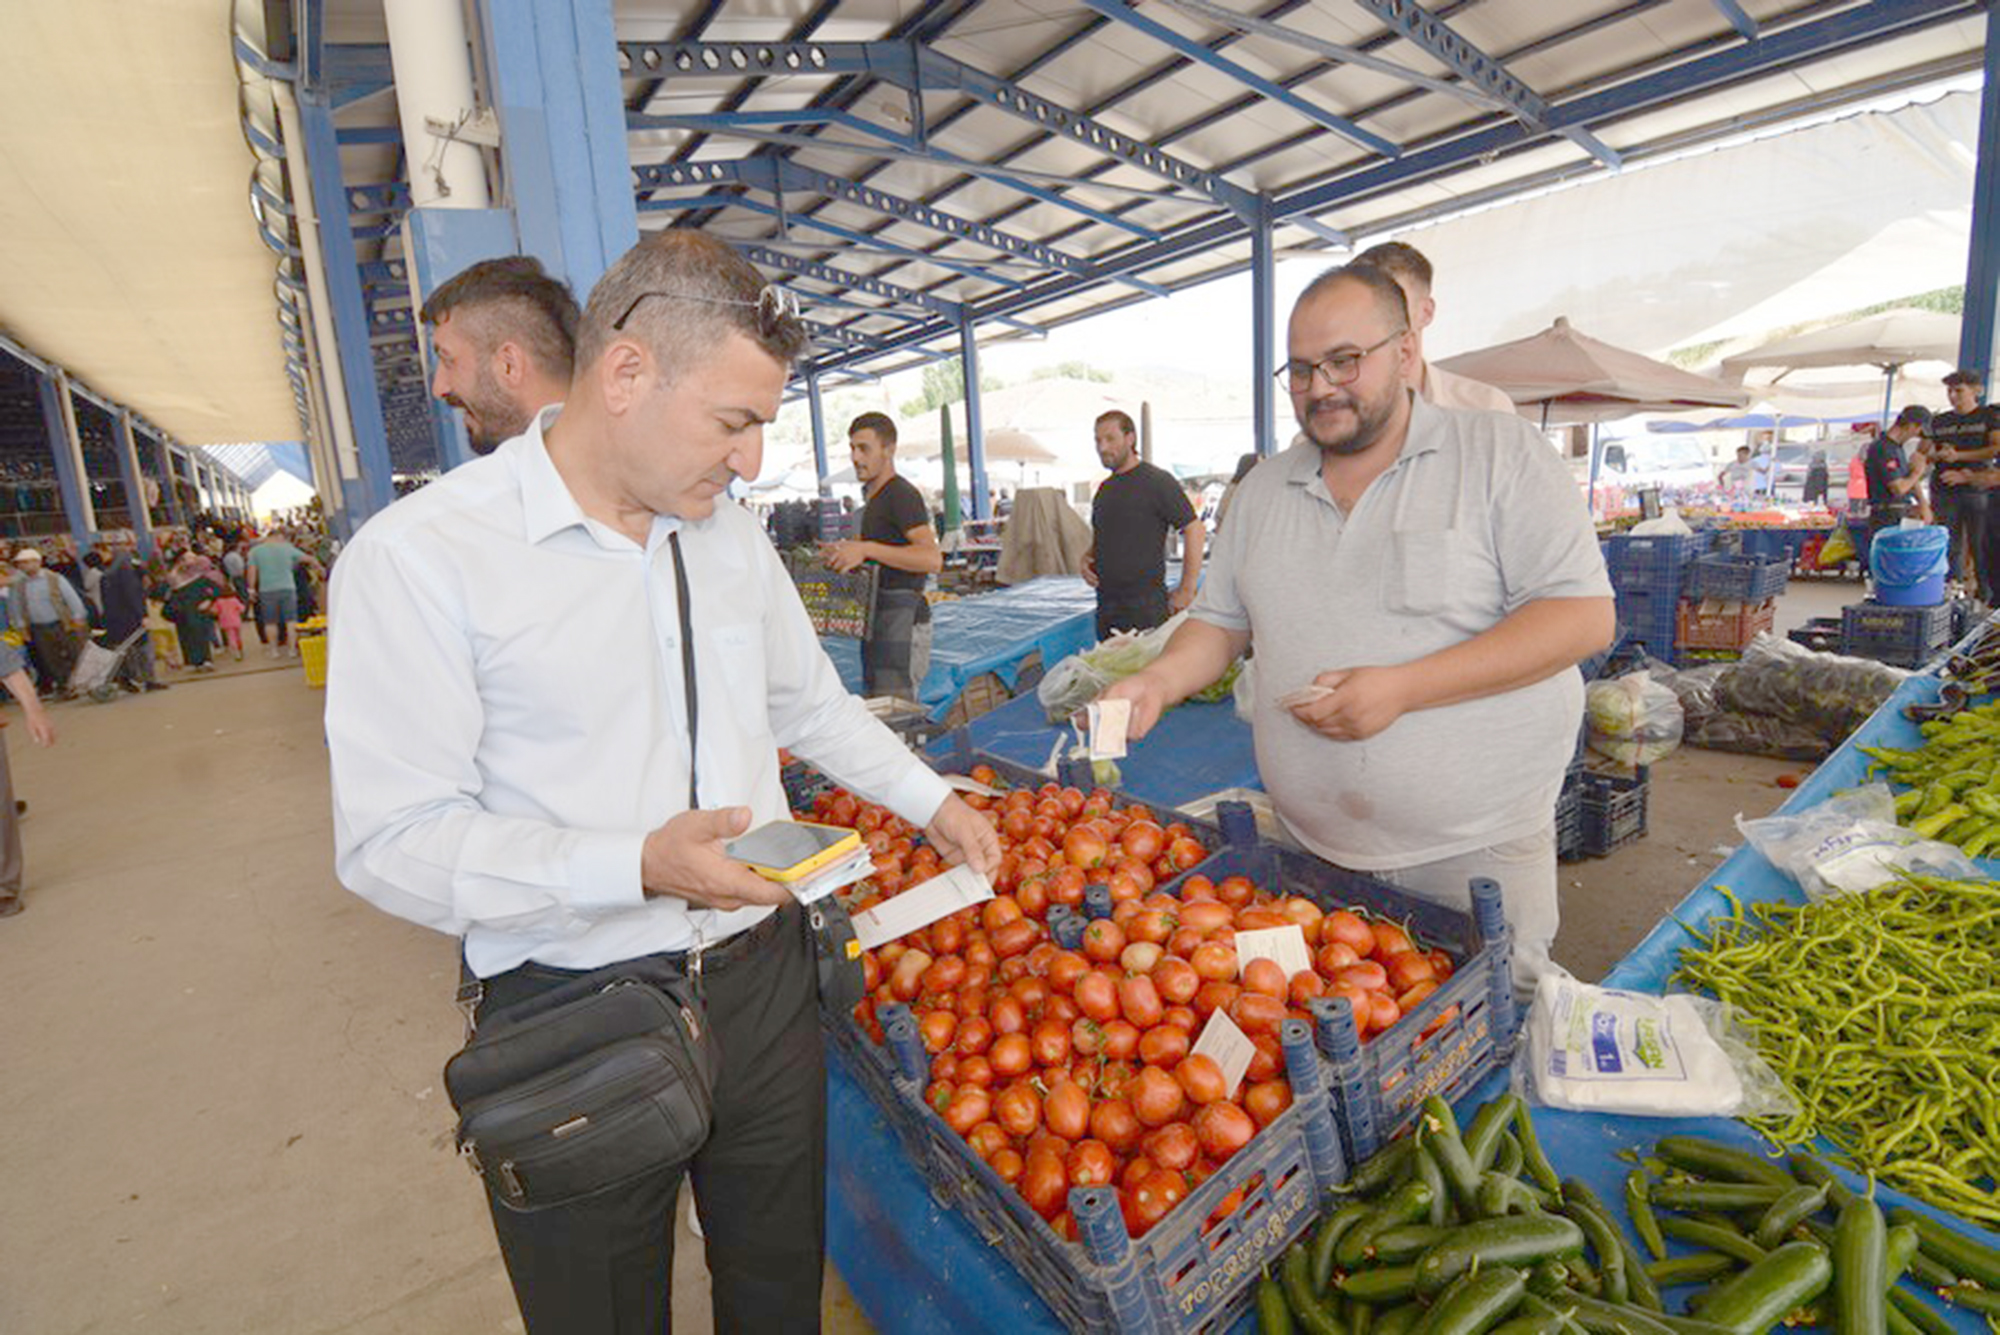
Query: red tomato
1197, 888
1265, 1100
969, 1106
1064, 969
1260, 919
1307, 915
1011, 1055
1442, 963
1084, 846
1207, 915
1367, 975
1067, 1111
1172, 1146
1097, 997
1142, 839
1180, 1017
1357, 998
1103, 940
1383, 1012
1214, 961
1390, 940
1139, 1001
1408, 969
1086, 1037
1255, 1013
975, 1071
1303, 987
1265, 976
1018, 1110
1350, 930
1090, 1164
1235, 891
975, 1035
1033, 897
986, 1139
1223, 1128
1200, 1079
1416, 996
1213, 997
1267, 1060
938, 1028
1007, 1163
1015, 937
1113, 1122
1157, 1098
1121, 1040
1164, 1045
1045, 1183
1006, 1013
1175, 980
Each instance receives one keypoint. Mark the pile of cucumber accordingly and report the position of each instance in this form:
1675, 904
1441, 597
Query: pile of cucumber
1463, 1233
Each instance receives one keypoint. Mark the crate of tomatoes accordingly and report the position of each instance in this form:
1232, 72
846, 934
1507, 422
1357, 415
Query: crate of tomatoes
1407, 997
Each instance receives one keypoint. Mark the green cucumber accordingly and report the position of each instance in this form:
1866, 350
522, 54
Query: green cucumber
1920, 1313
1397, 1246
1274, 1315
1787, 1213
1705, 1158
1381, 1285
1482, 1138
1331, 1231
1308, 1308
1382, 1170
1816, 1174
1639, 1205
1861, 1270
1759, 1298
1602, 1318
1514, 1240
1460, 1177
1399, 1320
1482, 1302
1716, 1195
1951, 1249
1715, 1238
1405, 1205
1692, 1268
1425, 1166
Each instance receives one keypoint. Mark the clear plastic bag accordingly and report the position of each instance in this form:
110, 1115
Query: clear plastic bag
1826, 692
1757, 735
1850, 843
1082, 677
1634, 720
1597, 1049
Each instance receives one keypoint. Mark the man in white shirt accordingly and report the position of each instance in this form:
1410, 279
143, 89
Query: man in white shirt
1412, 272
544, 727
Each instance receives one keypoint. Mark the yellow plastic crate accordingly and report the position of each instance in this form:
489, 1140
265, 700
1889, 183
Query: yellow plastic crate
312, 654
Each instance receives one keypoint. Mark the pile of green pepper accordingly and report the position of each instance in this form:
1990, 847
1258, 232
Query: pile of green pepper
1881, 1012
1473, 1233
1952, 780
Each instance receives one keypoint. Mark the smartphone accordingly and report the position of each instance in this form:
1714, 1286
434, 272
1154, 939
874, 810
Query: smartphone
788, 850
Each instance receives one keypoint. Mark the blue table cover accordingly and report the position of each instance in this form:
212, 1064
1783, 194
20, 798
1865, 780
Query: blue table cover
991, 632
915, 1267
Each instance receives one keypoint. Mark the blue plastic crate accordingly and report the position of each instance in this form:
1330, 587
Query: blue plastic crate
1653, 564
1904, 636
1649, 621
1569, 820
1451, 1042
1187, 1275
1743, 579
1612, 811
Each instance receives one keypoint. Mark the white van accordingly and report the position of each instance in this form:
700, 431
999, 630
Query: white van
1665, 461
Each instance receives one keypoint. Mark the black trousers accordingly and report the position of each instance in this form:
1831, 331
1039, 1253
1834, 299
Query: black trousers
603, 1266
1132, 611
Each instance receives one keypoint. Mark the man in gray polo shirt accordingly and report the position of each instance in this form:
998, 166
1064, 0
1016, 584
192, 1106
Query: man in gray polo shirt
1419, 583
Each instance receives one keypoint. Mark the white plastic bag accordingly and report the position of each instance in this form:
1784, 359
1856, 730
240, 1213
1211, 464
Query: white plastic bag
1596, 1049
1850, 844
1634, 719
1668, 525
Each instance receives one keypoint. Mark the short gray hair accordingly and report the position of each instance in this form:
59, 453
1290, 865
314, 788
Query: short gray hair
680, 292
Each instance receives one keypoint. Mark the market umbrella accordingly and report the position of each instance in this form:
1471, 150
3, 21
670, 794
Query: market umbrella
1887, 341
1572, 377
951, 515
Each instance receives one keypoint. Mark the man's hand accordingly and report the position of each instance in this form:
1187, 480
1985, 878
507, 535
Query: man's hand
844, 555
1182, 598
685, 859
41, 727
1365, 700
1149, 700
1955, 476
1090, 569
961, 834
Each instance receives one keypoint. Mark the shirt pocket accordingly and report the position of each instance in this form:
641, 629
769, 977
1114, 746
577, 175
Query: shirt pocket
741, 690
1422, 567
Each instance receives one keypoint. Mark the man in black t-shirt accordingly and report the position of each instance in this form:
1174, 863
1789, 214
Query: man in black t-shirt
1134, 510
1967, 441
896, 534
1892, 477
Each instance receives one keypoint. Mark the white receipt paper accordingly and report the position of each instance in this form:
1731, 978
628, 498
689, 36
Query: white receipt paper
1286, 945
939, 897
959, 783
1305, 695
1229, 1047
1108, 720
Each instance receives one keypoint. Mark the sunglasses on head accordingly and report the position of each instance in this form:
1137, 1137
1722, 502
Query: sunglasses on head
774, 305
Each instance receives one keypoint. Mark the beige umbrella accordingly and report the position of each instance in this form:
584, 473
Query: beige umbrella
1560, 375
1008, 444
1887, 341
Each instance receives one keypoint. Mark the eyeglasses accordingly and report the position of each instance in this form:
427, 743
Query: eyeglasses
1337, 368
774, 306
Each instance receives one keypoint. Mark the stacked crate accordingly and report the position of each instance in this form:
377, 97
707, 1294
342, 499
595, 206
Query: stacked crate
1648, 575
1904, 636
1729, 600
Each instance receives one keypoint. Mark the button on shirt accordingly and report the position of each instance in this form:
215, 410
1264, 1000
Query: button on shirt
506, 717
1476, 518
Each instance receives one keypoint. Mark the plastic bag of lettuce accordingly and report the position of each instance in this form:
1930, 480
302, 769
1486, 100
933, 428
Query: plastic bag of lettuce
1082, 677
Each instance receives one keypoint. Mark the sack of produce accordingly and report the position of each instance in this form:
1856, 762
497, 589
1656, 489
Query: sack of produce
1757, 735
1850, 844
1597, 1049
1634, 720
1826, 692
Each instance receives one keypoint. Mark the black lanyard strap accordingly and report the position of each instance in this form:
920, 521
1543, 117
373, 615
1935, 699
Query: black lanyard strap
687, 662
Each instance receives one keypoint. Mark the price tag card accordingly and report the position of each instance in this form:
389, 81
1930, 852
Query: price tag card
939, 897
1286, 945
959, 783
1104, 725
1222, 1042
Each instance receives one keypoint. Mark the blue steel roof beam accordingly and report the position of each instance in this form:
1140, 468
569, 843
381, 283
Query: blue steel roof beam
751, 121
1202, 54
779, 175
355, 70
1427, 32
384, 273
1738, 20
851, 282
394, 197
360, 135
803, 29
915, 69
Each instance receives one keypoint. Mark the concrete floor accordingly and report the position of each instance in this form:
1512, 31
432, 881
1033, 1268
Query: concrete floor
219, 1070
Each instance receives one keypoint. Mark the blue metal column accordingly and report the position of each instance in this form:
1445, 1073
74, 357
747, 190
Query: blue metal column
816, 406
1982, 273
72, 480
1263, 328
140, 515
975, 428
375, 489
554, 66
170, 482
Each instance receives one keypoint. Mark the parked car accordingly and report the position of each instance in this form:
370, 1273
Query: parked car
1670, 462
1795, 457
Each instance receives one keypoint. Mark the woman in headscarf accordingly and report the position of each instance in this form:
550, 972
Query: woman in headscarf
192, 588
